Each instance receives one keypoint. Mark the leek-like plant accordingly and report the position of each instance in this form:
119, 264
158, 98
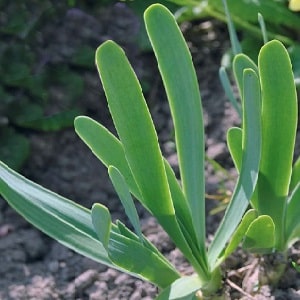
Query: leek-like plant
275, 224
136, 167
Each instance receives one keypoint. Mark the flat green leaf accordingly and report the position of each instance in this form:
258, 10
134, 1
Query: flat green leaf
134, 126
239, 64
71, 225
182, 89
234, 142
101, 220
67, 222
137, 258
235, 44
123, 230
279, 119
125, 197
293, 213
240, 232
184, 288
106, 147
251, 147
260, 236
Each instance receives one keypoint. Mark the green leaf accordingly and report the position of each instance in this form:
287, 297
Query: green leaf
235, 44
293, 213
101, 220
260, 236
279, 119
234, 142
106, 147
134, 126
72, 225
126, 199
239, 64
137, 258
183, 288
240, 232
182, 89
67, 222
251, 147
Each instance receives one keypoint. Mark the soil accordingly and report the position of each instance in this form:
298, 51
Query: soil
32, 266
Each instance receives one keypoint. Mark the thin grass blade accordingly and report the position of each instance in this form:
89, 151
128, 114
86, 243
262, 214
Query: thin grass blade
235, 44
262, 26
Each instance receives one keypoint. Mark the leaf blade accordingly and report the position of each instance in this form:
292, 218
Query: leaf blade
128, 108
182, 89
245, 186
58, 217
106, 147
279, 117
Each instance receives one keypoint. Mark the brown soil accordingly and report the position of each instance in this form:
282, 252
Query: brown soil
32, 266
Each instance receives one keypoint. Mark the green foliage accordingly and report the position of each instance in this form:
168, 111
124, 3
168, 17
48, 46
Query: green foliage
277, 196
30, 81
136, 166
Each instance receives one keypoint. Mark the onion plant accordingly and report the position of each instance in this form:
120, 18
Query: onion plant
138, 170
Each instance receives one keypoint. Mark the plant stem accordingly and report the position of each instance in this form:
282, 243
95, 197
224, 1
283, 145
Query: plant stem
210, 288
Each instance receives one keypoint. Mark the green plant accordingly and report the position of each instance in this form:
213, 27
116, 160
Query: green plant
136, 166
27, 78
278, 183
